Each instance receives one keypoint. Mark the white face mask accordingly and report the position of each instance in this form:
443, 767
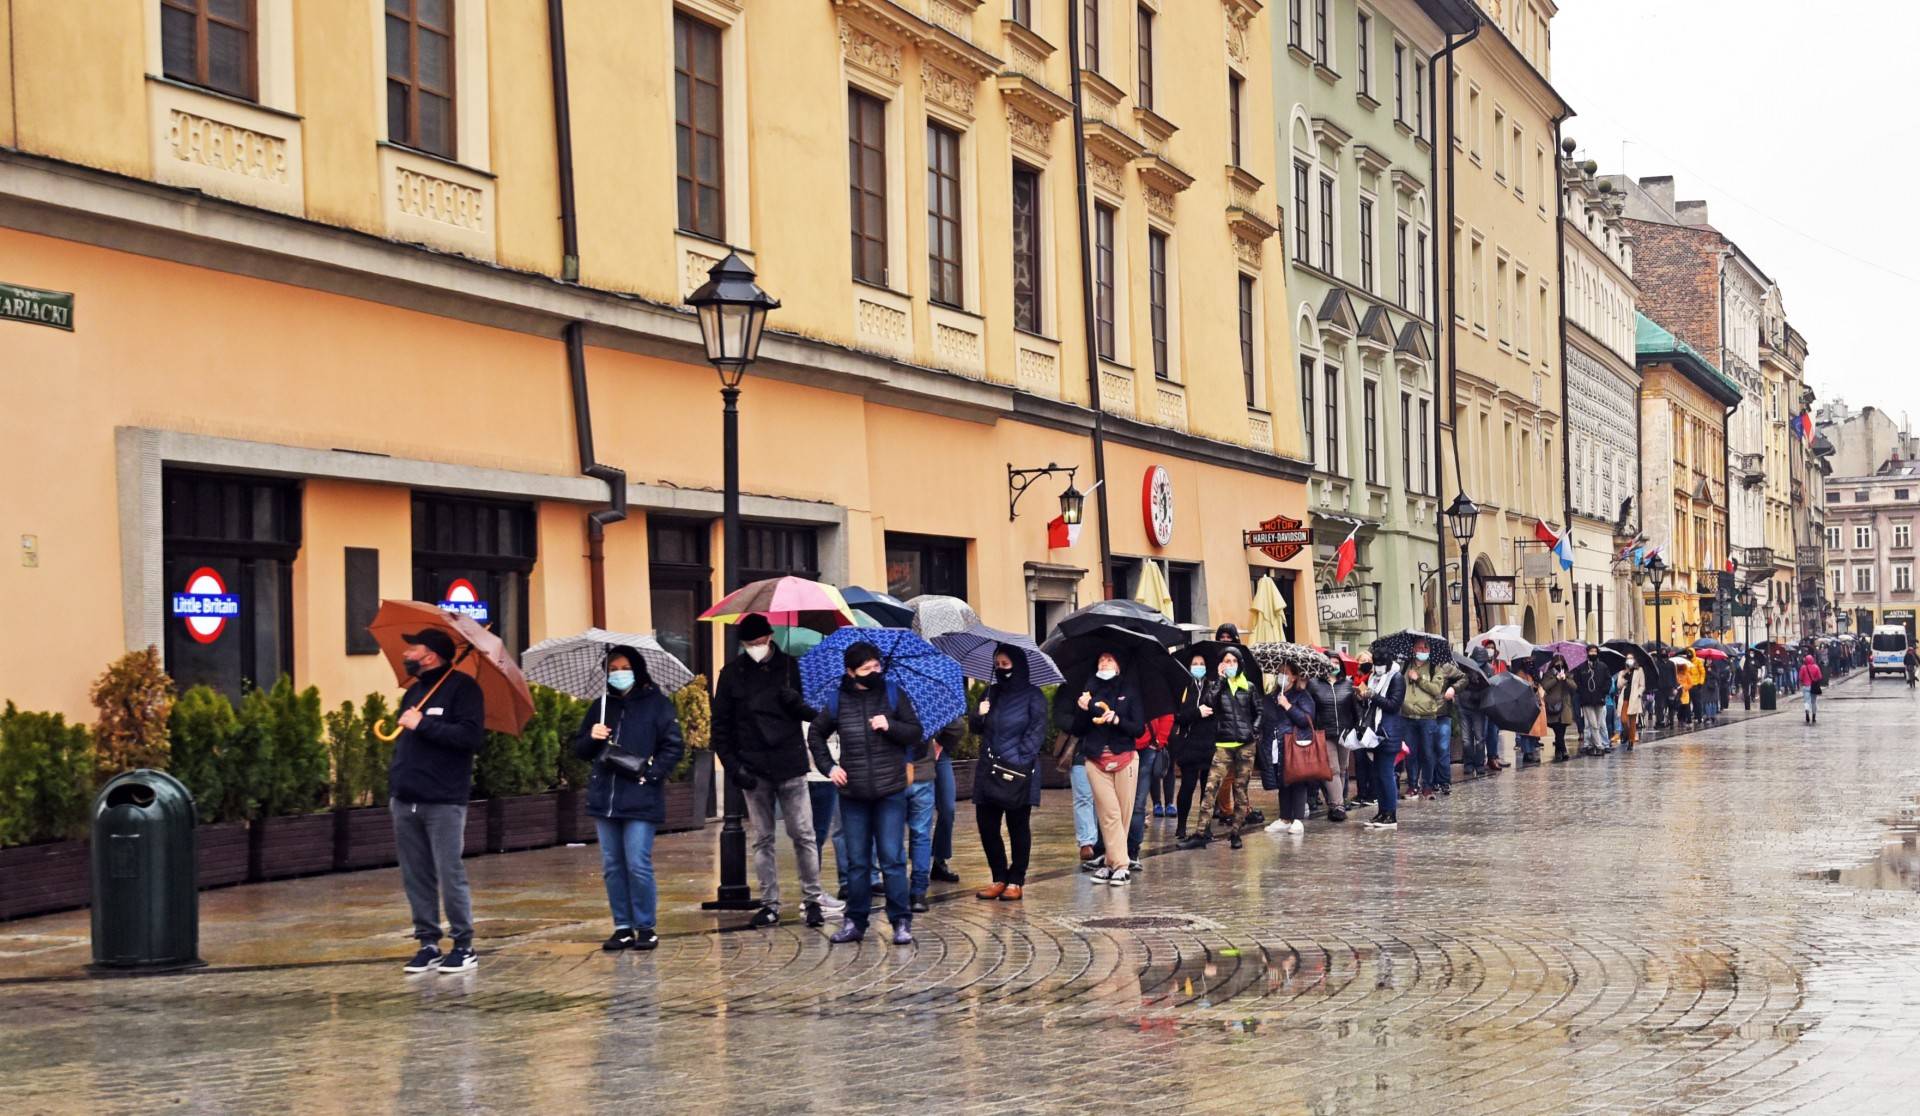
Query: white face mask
759, 652
1106, 675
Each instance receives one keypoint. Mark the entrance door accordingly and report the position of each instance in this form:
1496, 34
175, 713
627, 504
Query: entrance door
227, 547
681, 585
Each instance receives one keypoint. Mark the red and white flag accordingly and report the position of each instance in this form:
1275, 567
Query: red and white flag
1344, 557
1061, 535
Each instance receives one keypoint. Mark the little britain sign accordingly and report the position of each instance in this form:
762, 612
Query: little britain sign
37, 307
1279, 538
206, 606
464, 599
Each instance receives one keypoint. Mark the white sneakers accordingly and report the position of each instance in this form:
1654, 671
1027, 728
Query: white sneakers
1283, 826
1117, 877
1277, 825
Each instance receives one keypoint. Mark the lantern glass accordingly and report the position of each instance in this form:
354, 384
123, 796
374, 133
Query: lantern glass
1072, 503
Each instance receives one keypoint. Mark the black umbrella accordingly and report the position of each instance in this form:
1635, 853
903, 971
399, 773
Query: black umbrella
1614, 660
1478, 676
1131, 615
1399, 645
891, 611
1250, 667
1713, 643
1632, 651
1507, 701
1161, 677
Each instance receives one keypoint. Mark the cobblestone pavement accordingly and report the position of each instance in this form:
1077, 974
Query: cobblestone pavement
1726, 922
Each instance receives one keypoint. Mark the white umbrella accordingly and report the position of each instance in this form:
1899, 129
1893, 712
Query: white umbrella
1507, 642
936, 615
1269, 612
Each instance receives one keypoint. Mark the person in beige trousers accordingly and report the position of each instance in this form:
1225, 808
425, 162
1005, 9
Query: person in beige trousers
1108, 720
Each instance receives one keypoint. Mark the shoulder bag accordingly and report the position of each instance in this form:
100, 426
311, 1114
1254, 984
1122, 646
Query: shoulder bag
621, 762
1006, 784
1304, 759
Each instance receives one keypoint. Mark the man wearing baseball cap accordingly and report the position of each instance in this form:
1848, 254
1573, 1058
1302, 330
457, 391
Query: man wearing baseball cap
442, 726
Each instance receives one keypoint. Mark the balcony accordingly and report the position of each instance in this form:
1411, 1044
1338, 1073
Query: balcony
1750, 468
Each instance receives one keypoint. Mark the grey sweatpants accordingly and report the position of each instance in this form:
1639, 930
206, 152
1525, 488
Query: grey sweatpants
429, 837
796, 810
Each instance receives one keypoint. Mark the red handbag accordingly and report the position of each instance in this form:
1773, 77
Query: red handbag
1111, 762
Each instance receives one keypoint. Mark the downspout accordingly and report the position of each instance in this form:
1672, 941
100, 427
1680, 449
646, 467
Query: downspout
616, 479
1451, 361
1086, 300
1566, 419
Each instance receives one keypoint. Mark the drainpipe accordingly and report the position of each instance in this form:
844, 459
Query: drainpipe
1086, 300
1560, 263
616, 479
1451, 362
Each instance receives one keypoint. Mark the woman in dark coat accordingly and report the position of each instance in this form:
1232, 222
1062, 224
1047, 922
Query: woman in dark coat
1012, 723
633, 719
1288, 710
1191, 746
1562, 702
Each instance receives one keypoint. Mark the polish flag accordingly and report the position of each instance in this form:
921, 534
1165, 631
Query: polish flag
1545, 533
1061, 535
1344, 557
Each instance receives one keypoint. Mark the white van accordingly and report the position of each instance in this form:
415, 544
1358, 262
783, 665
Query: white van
1889, 651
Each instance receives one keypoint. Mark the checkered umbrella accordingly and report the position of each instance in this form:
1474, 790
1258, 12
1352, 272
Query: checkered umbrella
577, 664
935, 615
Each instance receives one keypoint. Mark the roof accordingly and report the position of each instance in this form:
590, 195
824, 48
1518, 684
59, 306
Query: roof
1653, 344
1454, 17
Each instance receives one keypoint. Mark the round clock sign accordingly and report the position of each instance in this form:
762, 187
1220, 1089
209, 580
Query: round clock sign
1156, 502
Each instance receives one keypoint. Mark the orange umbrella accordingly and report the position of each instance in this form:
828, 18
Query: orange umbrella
480, 655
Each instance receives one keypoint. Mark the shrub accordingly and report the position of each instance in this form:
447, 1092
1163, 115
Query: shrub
534, 761
277, 757
376, 754
969, 746
347, 750
46, 777
134, 696
695, 708
201, 729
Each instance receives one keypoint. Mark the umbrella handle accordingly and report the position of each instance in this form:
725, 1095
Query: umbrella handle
387, 731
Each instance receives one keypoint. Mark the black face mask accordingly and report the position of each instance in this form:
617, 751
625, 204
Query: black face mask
870, 681
412, 667
1004, 674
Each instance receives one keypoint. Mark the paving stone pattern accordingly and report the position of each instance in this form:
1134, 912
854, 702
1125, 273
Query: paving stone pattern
1725, 922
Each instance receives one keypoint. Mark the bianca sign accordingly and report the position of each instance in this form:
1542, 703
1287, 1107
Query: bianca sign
206, 606
464, 599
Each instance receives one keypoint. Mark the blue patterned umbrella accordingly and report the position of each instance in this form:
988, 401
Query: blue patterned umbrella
931, 679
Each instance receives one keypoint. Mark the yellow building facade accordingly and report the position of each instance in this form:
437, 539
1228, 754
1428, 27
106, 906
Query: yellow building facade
322, 292
1505, 357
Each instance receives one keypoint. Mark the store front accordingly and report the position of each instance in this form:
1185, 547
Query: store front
228, 548
476, 556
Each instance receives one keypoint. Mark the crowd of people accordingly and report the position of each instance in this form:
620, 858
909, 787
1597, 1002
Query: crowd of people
1325, 734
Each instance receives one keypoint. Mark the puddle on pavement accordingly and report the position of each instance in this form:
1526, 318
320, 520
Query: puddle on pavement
1897, 868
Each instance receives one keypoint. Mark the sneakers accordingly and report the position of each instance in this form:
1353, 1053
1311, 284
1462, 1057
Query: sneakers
850, 931
1118, 877
1297, 827
903, 932
1103, 873
765, 917
1233, 840
832, 905
427, 958
943, 873
458, 960
1092, 865
622, 939
1336, 815
919, 905
645, 938
815, 916
1383, 821
1134, 866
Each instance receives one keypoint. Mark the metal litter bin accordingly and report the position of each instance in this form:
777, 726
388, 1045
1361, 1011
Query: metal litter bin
146, 905
1769, 697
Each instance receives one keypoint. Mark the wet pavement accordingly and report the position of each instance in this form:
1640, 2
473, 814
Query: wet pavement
1728, 921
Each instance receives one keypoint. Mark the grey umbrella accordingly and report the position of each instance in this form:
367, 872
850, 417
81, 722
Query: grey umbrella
577, 664
935, 615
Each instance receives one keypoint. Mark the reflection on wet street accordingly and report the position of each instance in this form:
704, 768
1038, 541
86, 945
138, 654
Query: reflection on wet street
1729, 922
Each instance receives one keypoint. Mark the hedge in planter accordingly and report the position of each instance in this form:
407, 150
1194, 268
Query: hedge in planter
362, 821
280, 751
46, 783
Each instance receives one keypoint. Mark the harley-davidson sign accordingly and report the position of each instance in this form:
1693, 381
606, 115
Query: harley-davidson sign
1279, 538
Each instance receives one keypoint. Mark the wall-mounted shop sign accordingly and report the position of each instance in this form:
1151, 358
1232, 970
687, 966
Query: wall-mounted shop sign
35, 306
1279, 538
464, 599
1339, 606
1496, 590
206, 606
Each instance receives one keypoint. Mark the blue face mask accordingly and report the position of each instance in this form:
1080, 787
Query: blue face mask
621, 680
1228, 670
1421, 655
1198, 672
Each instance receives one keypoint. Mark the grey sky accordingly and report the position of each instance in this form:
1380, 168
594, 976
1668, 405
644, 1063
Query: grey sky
1793, 122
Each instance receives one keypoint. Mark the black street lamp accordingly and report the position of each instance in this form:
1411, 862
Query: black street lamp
733, 314
1656, 573
1072, 500
1461, 515
1746, 600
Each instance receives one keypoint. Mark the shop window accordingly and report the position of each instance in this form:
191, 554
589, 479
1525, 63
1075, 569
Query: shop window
680, 583
774, 550
1184, 586
227, 547
479, 554
918, 564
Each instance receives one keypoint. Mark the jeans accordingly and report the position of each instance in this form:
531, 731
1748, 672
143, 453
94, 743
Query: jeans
1593, 728
1151, 760
626, 860
1363, 782
1386, 775
1811, 702
1492, 738
429, 838
824, 798
945, 800
921, 806
1086, 827
796, 810
1432, 740
867, 822
1528, 746
1019, 821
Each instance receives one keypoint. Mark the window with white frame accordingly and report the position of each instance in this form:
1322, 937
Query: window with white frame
1249, 303
1327, 261
1363, 51
1420, 273
1322, 33
1839, 582
1400, 262
1902, 535
1863, 538
1863, 579
1302, 213
1308, 370
1400, 81
1366, 244
1520, 334
1903, 577
1420, 100
1331, 401
1296, 29
1499, 144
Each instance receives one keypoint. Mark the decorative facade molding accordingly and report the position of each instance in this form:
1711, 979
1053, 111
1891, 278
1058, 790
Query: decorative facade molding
1239, 22
1034, 135
868, 52
1033, 97
1159, 202
943, 89
1106, 175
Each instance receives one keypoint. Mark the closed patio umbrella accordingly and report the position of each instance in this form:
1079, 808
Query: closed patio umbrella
1269, 612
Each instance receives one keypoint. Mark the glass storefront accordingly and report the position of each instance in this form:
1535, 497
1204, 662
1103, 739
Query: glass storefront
476, 555
228, 542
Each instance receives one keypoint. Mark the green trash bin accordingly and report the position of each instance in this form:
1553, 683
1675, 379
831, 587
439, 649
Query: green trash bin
146, 905
1769, 699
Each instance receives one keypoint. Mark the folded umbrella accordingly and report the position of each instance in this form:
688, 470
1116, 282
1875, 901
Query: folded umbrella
1161, 678
1131, 615
934, 614
1507, 700
890, 611
479, 654
974, 649
577, 664
1399, 645
931, 679
1269, 612
785, 601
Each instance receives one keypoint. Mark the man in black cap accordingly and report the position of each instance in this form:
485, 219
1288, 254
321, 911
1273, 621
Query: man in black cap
442, 726
758, 718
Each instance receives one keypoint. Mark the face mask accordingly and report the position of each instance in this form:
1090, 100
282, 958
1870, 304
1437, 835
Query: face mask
759, 652
870, 681
1004, 674
1198, 672
1106, 675
1228, 670
412, 667
1286, 681
621, 680
1421, 655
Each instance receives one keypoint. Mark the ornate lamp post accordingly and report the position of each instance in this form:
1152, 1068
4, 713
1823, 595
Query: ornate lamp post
1745, 598
1461, 516
1657, 573
733, 314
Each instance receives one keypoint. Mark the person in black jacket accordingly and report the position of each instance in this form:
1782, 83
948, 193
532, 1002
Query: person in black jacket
1287, 720
1192, 743
442, 726
879, 735
1229, 701
1334, 714
757, 719
1012, 723
634, 719
1592, 682
1387, 691
1108, 720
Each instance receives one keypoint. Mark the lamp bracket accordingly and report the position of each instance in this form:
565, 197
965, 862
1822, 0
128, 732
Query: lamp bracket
1019, 480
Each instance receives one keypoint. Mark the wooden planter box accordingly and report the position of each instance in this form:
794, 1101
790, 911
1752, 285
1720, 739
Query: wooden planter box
281, 848
963, 779
224, 853
477, 822
689, 804
43, 878
570, 816
527, 821
1053, 777
363, 838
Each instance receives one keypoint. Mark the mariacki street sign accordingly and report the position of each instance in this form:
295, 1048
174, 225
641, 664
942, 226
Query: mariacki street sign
37, 307
1279, 538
